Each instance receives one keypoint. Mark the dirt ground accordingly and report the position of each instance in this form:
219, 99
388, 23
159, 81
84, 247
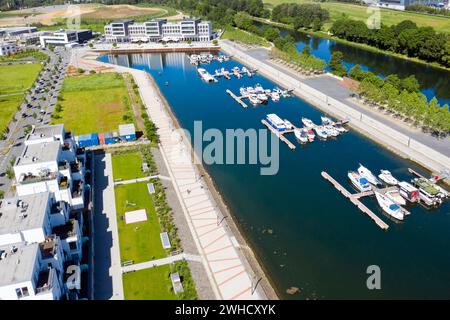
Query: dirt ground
95, 11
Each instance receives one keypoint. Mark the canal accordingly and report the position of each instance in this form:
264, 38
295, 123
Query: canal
303, 231
435, 82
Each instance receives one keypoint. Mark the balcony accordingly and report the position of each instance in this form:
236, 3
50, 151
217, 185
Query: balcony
77, 188
75, 166
70, 229
63, 165
63, 183
45, 281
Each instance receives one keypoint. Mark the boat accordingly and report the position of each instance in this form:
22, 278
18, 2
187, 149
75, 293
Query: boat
339, 127
262, 97
321, 133
428, 194
387, 177
205, 75
308, 123
359, 182
258, 88
254, 99
275, 97
251, 90
331, 131
366, 173
389, 206
276, 122
301, 135
289, 125
285, 94
326, 121
243, 91
395, 196
408, 191
311, 134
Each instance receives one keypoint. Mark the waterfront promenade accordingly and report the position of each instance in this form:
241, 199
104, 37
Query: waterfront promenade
326, 93
226, 267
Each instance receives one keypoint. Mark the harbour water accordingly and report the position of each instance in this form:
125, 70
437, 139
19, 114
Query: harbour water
434, 82
304, 232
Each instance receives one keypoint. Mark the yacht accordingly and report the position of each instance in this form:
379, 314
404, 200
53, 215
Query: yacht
308, 123
243, 91
386, 177
359, 182
276, 122
395, 196
251, 90
326, 121
339, 127
388, 206
254, 99
205, 75
428, 194
289, 125
331, 131
275, 96
321, 132
258, 88
408, 191
262, 97
311, 134
301, 135
366, 173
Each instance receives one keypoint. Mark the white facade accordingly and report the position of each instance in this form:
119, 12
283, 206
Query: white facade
7, 48
159, 30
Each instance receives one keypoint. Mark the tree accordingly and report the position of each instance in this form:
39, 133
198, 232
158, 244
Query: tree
336, 65
271, 33
410, 84
306, 50
242, 20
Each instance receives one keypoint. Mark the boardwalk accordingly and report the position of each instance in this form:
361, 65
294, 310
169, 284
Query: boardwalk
280, 135
160, 262
238, 99
354, 198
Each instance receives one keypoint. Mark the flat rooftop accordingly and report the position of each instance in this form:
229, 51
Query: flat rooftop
46, 132
17, 266
23, 213
38, 153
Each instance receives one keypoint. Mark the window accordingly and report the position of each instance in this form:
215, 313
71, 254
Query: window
73, 245
22, 292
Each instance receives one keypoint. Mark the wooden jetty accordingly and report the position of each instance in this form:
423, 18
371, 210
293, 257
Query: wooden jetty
354, 198
238, 99
280, 135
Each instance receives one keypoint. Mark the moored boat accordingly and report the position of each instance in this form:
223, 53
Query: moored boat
320, 132
387, 177
389, 206
311, 134
276, 122
428, 194
408, 191
395, 196
359, 182
301, 135
308, 123
363, 171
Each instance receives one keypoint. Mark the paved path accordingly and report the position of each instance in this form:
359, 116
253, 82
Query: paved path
158, 176
332, 87
107, 273
161, 262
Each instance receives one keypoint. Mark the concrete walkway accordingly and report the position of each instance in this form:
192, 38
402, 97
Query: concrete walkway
158, 176
161, 262
107, 274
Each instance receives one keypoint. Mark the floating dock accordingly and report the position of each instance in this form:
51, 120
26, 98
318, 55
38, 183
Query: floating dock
280, 135
238, 99
354, 198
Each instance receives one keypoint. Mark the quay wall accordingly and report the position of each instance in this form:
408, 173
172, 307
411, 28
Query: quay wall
376, 130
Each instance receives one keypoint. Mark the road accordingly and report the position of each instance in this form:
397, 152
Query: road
40, 103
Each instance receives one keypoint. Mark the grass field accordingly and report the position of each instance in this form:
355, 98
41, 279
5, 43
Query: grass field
138, 241
94, 103
245, 37
148, 284
388, 16
127, 166
15, 80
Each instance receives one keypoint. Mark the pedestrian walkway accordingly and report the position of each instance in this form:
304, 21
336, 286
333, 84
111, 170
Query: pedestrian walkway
157, 176
161, 262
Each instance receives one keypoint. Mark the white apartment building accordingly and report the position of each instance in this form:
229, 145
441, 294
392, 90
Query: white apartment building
32, 271
7, 48
159, 30
64, 37
49, 163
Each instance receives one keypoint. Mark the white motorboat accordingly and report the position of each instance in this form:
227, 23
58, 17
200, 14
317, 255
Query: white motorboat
276, 122
262, 97
359, 182
308, 123
275, 97
395, 196
289, 125
251, 90
311, 134
340, 128
301, 135
428, 193
408, 191
386, 177
258, 88
205, 75
326, 121
389, 206
366, 173
243, 91
254, 99
320, 132
331, 131
277, 90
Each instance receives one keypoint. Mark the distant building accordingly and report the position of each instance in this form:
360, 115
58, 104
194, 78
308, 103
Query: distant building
127, 132
192, 29
402, 4
15, 32
7, 48
64, 37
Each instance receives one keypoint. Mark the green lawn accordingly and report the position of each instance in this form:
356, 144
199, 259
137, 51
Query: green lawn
94, 103
138, 241
127, 166
149, 284
243, 36
388, 16
15, 80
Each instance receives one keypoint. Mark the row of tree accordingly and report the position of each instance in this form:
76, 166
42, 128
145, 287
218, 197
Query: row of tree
428, 9
402, 97
405, 38
305, 15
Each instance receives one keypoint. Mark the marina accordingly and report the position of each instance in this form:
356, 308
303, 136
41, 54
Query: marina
309, 222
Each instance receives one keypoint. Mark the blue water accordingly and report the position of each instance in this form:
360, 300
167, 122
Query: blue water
319, 241
434, 82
